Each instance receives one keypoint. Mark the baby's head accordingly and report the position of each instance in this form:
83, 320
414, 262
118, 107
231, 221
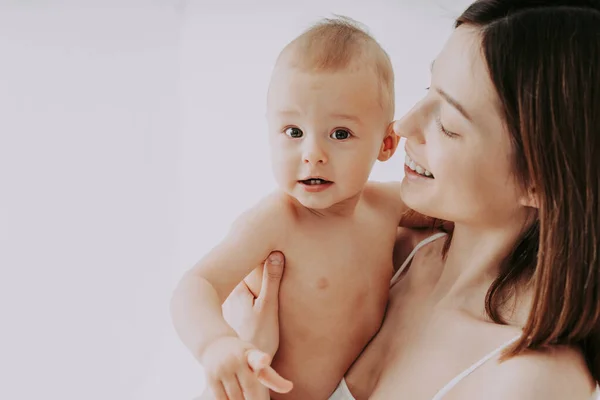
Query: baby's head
329, 108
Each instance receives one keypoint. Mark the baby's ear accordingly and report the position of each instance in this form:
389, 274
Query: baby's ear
389, 144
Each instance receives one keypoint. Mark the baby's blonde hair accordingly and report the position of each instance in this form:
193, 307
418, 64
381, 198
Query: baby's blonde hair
340, 43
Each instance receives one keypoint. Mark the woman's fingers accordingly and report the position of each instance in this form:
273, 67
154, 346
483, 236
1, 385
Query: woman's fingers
272, 274
240, 298
237, 309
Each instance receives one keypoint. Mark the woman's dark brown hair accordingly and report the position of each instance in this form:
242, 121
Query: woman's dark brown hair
543, 58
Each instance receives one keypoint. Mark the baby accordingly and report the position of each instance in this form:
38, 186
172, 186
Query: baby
330, 105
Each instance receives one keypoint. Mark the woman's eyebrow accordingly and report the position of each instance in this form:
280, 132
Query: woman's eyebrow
454, 103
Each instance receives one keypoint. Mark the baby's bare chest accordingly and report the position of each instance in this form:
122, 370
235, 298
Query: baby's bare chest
335, 259
334, 265
332, 297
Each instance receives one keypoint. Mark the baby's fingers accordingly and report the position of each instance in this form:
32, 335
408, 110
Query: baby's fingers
232, 388
271, 379
260, 362
250, 385
217, 389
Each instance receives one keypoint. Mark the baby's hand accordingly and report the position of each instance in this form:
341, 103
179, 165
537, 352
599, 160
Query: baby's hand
228, 374
235, 370
260, 363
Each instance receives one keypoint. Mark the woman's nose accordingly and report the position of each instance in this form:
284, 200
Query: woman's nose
412, 125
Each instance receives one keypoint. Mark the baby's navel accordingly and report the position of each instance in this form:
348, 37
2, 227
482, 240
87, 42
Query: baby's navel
322, 283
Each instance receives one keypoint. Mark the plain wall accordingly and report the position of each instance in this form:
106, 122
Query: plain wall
89, 137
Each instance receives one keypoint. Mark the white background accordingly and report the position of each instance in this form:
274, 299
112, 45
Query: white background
131, 134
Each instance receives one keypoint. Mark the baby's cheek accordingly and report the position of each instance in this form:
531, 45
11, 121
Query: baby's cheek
280, 172
282, 167
358, 173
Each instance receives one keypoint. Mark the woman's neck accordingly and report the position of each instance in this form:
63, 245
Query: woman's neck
472, 264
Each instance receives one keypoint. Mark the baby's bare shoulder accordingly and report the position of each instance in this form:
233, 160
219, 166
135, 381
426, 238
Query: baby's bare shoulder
383, 190
274, 212
385, 196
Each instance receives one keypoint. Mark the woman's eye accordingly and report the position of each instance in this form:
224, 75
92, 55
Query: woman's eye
340, 134
441, 128
293, 132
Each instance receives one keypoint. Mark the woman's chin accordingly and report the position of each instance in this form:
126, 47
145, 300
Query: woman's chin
418, 203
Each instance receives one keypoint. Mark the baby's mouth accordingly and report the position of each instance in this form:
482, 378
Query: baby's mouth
314, 181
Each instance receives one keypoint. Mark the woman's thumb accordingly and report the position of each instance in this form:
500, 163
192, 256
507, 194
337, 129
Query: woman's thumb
272, 274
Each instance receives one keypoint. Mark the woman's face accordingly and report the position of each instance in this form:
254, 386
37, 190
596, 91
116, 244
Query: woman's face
458, 144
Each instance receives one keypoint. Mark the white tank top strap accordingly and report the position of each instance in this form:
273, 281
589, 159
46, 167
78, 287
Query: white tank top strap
342, 392
412, 254
443, 391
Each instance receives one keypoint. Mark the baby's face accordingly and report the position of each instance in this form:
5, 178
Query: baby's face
326, 130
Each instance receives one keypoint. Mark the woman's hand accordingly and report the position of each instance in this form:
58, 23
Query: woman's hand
256, 320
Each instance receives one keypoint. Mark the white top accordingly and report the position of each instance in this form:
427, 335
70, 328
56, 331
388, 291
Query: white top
343, 393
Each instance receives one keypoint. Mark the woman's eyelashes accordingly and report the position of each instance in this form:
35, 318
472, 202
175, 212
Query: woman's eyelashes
337, 134
440, 126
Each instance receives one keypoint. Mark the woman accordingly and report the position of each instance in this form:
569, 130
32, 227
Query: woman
507, 306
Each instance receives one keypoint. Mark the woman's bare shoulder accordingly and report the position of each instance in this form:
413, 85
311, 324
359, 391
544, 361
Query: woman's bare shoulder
552, 374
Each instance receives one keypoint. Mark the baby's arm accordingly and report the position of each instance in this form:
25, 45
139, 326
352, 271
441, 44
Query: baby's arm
196, 303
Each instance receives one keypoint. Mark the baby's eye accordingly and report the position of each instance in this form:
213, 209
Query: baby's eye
293, 132
340, 134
